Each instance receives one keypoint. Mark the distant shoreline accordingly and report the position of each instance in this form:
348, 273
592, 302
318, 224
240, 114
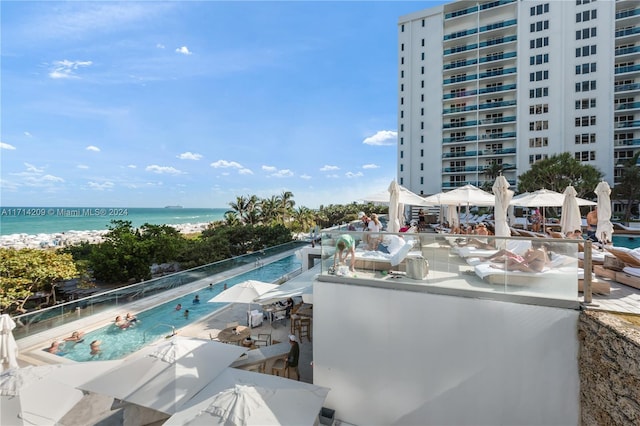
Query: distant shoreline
68, 238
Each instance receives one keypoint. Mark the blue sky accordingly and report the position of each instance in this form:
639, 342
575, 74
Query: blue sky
145, 104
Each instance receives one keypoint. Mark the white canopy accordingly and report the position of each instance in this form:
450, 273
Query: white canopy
238, 397
297, 286
244, 292
44, 394
405, 197
545, 198
466, 195
166, 375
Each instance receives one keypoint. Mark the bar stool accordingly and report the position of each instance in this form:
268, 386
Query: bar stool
304, 329
280, 366
294, 323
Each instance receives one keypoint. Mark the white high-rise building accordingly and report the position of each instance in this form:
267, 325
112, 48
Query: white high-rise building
511, 82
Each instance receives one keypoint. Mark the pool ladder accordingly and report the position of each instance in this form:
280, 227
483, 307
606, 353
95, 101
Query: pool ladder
173, 330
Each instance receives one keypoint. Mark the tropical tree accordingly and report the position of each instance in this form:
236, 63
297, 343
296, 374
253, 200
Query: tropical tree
270, 208
303, 219
286, 205
25, 271
252, 215
240, 207
627, 190
231, 219
491, 172
559, 171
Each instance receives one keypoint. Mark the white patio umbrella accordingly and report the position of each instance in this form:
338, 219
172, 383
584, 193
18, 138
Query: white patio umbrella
394, 201
43, 395
466, 195
503, 196
167, 375
297, 286
244, 292
8, 346
405, 197
571, 218
238, 397
604, 230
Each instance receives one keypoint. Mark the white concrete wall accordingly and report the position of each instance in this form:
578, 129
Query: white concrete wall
397, 357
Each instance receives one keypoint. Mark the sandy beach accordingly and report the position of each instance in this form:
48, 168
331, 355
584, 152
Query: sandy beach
69, 238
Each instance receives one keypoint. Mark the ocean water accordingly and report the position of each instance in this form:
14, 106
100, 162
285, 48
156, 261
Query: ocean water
51, 220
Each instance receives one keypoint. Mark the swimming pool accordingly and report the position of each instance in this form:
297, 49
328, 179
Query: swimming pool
629, 241
161, 320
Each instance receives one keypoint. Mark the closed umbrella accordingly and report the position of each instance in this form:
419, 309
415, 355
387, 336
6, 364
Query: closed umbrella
503, 196
8, 346
238, 397
571, 218
394, 200
604, 230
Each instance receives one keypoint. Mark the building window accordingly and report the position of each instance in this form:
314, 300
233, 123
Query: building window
402, 167
538, 125
539, 59
586, 103
585, 121
585, 155
585, 138
421, 166
539, 92
401, 154
537, 157
538, 109
402, 47
422, 153
402, 28
421, 180
538, 142
401, 141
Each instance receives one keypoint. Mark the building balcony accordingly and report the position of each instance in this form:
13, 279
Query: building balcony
460, 12
493, 136
498, 41
627, 142
459, 109
498, 25
626, 87
627, 106
459, 124
627, 50
500, 57
630, 68
496, 73
459, 49
497, 89
626, 32
460, 139
627, 13
497, 120
460, 34
462, 79
460, 64
460, 94
484, 152
498, 104
626, 124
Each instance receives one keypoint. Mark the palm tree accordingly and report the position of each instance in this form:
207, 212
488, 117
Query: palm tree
303, 219
252, 215
269, 208
231, 219
491, 172
286, 205
240, 207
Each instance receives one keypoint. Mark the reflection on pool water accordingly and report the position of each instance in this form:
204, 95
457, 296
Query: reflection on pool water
629, 241
160, 321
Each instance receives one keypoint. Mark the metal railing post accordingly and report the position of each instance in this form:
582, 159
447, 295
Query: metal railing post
587, 272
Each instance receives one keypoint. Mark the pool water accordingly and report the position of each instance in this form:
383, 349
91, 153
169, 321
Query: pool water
629, 241
160, 321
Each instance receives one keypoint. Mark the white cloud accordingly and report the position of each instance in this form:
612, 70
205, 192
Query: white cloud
269, 169
51, 178
189, 156
92, 148
132, 166
67, 68
6, 146
306, 177
100, 186
160, 46
33, 169
224, 164
27, 134
245, 171
184, 50
327, 168
282, 173
370, 166
382, 138
163, 169
351, 175
333, 176
82, 166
